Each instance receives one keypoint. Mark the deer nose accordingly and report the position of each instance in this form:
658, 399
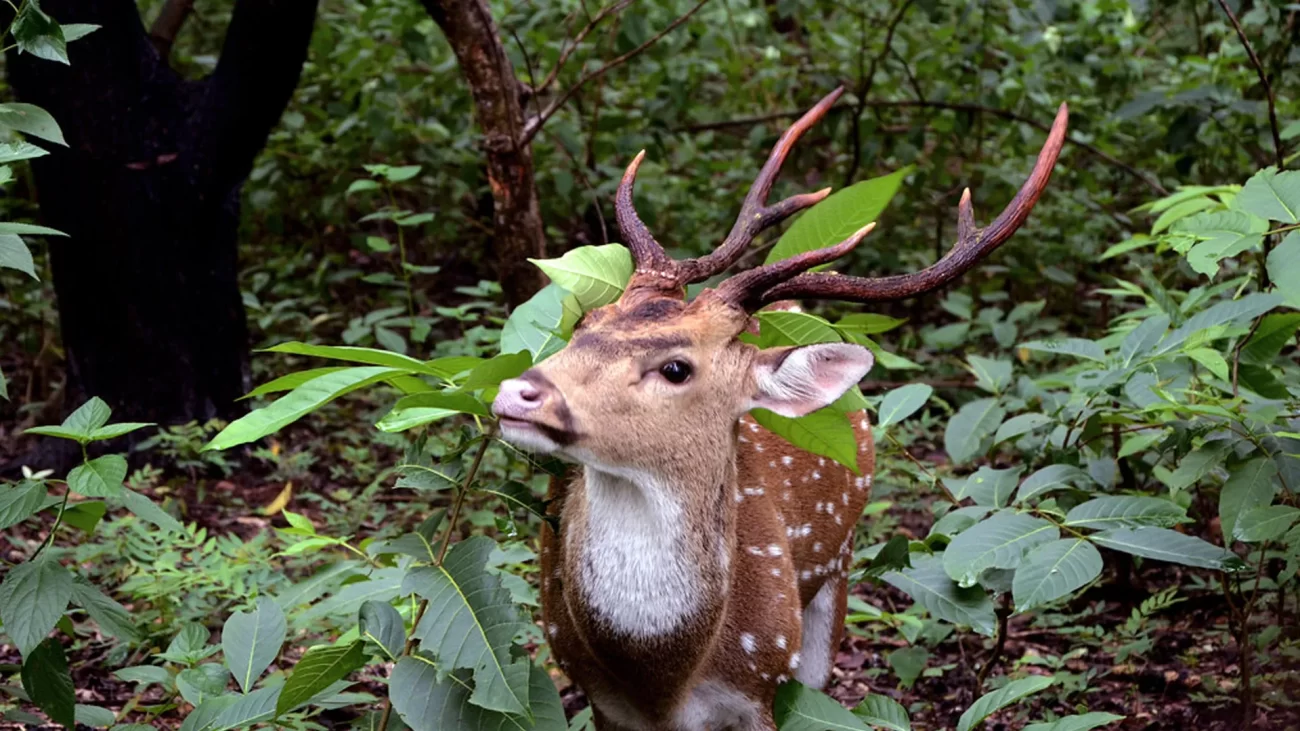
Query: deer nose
520, 395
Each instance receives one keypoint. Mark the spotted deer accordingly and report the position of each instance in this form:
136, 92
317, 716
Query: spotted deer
701, 560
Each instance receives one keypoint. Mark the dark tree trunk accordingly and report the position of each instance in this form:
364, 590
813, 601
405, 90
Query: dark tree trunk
517, 219
148, 191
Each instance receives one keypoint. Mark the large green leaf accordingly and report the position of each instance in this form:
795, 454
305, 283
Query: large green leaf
998, 542
113, 618
991, 703
148, 510
200, 683
31, 119
492, 372
429, 701
1249, 486
1265, 524
1284, 268
1077, 347
298, 403
1049, 478
1081, 722
800, 708
542, 324
1273, 334
100, 477
20, 502
32, 599
1125, 511
14, 254
839, 216
470, 623
596, 275
319, 668
1053, 570
1220, 234
1222, 313
786, 327
970, 426
422, 408
902, 402
380, 623
1163, 544
987, 486
826, 432
15, 151
1271, 195
233, 711
881, 711
251, 641
48, 682
368, 356
384, 585
1019, 425
933, 589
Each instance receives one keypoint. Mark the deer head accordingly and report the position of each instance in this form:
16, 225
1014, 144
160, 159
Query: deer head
655, 383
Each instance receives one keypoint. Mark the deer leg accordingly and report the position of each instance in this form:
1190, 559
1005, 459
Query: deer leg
823, 625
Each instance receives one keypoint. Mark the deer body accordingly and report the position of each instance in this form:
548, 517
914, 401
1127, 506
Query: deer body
700, 560
689, 613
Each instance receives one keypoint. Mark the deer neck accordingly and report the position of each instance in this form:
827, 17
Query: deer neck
650, 556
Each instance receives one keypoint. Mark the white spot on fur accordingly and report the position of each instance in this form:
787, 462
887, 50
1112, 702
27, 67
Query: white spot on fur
785, 495
753, 426
747, 643
552, 629
794, 661
817, 475
774, 550
817, 547
776, 573
844, 498
758, 447
780, 641
821, 461
787, 460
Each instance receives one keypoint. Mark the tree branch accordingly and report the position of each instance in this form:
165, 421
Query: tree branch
1263, 80
568, 50
534, 125
1003, 113
168, 24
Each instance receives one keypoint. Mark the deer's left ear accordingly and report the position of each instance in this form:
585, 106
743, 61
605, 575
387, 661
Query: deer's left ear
799, 380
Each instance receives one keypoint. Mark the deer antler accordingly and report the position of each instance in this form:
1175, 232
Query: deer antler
656, 271
972, 245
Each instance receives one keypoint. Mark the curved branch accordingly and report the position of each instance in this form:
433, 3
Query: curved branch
168, 24
568, 49
1263, 80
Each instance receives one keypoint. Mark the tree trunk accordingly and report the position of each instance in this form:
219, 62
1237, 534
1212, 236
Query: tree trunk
148, 191
517, 218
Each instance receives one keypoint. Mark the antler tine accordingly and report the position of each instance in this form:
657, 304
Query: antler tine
648, 255
744, 289
972, 244
755, 215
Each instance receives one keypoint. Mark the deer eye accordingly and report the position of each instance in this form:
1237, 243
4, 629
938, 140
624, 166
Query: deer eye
675, 371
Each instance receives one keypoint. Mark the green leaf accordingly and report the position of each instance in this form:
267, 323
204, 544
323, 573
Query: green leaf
200, 683
1180, 211
542, 324
1143, 338
1077, 347
36, 33
290, 381
1197, 464
1049, 478
77, 31
430, 701
251, 641
1271, 195
112, 618
1284, 269
800, 708
16, 151
596, 275
20, 502
88, 417
825, 432
85, 515
100, 477
1020, 425
383, 586
470, 622
908, 663
902, 402
232, 711
381, 624
113, 431
838, 216
991, 703
1273, 334
1223, 313
991, 375
786, 327
189, 645
1141, 442
94, 716
1220, 234
1081, 722
320, 667
422, 408
987, 486
368, 356
14, 254
998, 542
1266, 523
1249, 486
298, 403
929, 584
143, 675
48, 682
1163, 544
867, 323
881, 711
492, 372
969, 427
1125, 511
31, 119
32, 599
146, 509
1053, 570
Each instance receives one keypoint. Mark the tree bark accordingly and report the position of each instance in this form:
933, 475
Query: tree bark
148, 191
517, 219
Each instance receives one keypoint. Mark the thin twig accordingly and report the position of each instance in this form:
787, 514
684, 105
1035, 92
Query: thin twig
1004, 614
534, 125
1263, 80
168, 24
568, 50
960, 107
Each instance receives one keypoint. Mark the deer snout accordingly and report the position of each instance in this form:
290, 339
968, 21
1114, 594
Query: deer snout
527, 393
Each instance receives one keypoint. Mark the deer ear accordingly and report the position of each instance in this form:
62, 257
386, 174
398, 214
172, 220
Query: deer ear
799, 380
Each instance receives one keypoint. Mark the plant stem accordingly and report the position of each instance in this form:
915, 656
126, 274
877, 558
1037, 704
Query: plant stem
58, 520
442, 553
1004, 615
